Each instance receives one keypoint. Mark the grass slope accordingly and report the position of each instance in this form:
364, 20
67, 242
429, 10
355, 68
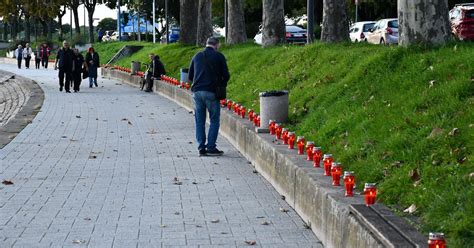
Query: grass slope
387, 113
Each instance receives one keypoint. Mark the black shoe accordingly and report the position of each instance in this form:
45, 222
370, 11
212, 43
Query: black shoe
148, 91
202, 152
60, 88
214, 152
96, 85
67, 91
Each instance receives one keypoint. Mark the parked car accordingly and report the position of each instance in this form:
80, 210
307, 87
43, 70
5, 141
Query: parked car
385, 32
360, 30
462, 21
294, 35
114, 36
174, 35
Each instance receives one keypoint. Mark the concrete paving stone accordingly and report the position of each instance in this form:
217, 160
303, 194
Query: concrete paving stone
58, 186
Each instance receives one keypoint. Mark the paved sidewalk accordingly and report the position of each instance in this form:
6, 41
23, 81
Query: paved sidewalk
13, 95
116, 167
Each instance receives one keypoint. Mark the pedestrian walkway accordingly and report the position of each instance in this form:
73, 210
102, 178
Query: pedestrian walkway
116, 167
13, 95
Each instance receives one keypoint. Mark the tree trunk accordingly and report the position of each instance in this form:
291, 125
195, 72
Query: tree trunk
236, 21
335, 22
273, 29
91, 25
50, 29
44, 27
14, 28
204, 26
138, 25
27, 28
5, 30
60, 23
76, 18
423, 21
188, 14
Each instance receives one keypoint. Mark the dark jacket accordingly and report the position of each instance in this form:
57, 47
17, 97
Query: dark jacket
158, 68
78, 63
65, 58
92, 67
205, 76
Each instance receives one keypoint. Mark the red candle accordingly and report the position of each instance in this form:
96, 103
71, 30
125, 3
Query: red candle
271, 126
349, 182
229, 104
251, 114
223, 103
278, 130
370, 192
291, 140
436, 240
300, 143
309, 150
258, 121
255, 120
242, 112
284, 135
188, 86
317, 154
336, 172
327, 163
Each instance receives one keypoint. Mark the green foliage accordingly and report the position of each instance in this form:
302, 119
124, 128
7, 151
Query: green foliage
107, 24
374, 108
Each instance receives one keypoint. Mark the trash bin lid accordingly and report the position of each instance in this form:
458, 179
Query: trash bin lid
273, 93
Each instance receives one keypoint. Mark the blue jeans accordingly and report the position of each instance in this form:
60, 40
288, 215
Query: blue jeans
205, 100
92, 81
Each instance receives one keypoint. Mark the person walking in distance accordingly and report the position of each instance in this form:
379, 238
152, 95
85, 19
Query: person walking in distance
157, 69
77, 69
45, 52
37, 54
93, 62
19, 55
208, 69
64, 62
27, 52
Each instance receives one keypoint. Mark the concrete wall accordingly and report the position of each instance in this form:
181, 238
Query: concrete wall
338, 221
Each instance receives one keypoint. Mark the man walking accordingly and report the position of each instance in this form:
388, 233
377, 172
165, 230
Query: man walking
157, 69
27, 55
207, 70
19, 55
64, 62
45, 52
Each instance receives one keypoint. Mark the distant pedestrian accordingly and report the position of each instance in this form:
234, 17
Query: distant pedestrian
27, 52
45, 53
208, 69
157, 69
64, 62
78, 67
100, 35
37, 55
93, 62
19, 55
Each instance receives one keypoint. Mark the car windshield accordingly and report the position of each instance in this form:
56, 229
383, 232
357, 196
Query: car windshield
470, 13
393, 24
293, 29
368, 26
176, 32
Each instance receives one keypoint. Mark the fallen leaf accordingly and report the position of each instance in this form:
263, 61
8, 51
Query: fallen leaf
260, 217
178, 183
78, 241
7, 182
454, 131
92, 157
177, 213
175, 179
414, 175
282, 197
410, 209
78, 116
63, 136
151, 131
130, 123
431, 83
87, 218
471, 176
251, 242
72, 140
124, 119
215, 221
265, 223
163, 226
255, 171
307, 225
435, 132
284, 210
198, 226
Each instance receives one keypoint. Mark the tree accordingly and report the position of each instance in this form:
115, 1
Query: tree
188, 25
90, 6
236, 31
74, 5
335, 22
204, 23
107, 24
273, 29
61, 13
423, 21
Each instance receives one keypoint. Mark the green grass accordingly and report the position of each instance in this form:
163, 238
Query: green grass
373, 108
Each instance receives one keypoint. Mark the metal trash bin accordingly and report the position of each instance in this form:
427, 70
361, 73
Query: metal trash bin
273, 106
135, 67
184, 75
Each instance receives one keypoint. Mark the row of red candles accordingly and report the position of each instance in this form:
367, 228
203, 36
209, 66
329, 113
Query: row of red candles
176, 82
315, 154
124, 69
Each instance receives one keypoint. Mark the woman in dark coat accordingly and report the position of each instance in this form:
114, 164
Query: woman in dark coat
93, 62
77, 69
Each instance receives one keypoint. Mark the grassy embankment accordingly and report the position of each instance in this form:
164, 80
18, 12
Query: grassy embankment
403, 118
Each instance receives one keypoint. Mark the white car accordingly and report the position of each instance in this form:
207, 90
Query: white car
384, 32
293, 35
359, 31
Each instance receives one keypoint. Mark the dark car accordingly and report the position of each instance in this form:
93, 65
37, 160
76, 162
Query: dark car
295, 34
174, 35
462, 21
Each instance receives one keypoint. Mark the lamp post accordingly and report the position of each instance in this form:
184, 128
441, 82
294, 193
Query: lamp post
310, 28
119, 30
153, 23
226, 16
357, 8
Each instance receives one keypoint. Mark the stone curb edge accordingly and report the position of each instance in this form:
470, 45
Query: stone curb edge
26, 114
337, 221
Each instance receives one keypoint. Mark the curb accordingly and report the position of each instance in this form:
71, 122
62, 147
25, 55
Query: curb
26, 114
338, 221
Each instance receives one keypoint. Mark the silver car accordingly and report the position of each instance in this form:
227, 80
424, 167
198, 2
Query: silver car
360, 30
384, 32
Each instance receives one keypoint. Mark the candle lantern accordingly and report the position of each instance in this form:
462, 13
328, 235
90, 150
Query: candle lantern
370, 192
271, 126
188, 86
278, 130
291, 140
258, 121
309, 150
284, 135
229, 104
317, 154
327, 163
349, 183
242, 112
436, 240
251, 114
223, 103
300, 143
336, 172
255, 120
235, 107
